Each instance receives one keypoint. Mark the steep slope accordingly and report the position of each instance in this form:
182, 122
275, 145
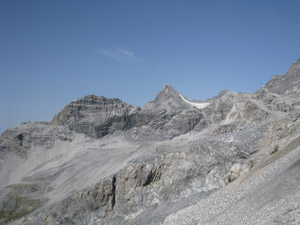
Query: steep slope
289, 84
268, 195
94, 116
178, 116
170, 100
168, 171
103, 161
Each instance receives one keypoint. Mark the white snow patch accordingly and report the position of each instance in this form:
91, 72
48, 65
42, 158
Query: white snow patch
197, 105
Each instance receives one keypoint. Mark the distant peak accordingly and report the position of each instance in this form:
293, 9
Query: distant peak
168, 91
168, 88
171, 100
168, 98
295, 66
221, 93
296, 62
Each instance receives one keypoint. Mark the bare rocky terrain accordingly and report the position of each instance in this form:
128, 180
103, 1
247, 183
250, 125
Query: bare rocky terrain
231, 159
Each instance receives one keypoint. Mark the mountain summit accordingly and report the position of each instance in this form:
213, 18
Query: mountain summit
295, 68
288, 84
171, 100
103, 161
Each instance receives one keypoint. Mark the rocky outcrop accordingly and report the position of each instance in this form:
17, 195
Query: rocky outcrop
92, 108
230, 111
289, 84
142, 184
20, 139
94, 116
269, 194
237, 170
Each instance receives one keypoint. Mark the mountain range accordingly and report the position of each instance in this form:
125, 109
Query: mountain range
231, 159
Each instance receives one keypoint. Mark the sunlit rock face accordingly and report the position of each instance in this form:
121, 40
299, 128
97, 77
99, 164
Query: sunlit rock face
230, 159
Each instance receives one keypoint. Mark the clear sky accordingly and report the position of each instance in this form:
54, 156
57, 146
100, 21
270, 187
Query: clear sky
54, 51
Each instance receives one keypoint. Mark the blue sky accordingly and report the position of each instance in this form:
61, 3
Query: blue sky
54, 51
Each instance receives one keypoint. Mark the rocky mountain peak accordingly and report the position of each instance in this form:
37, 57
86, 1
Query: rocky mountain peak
295, 68
289, 84
169, 88
91, 107
168, 92
85, 114
167, 99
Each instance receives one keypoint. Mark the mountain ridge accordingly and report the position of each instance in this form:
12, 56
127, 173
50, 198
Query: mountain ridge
103, 161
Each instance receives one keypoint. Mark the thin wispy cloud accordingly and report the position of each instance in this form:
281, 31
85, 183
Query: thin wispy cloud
120, 54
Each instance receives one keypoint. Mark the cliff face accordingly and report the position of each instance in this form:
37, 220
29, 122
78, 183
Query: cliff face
94, 116
175, 161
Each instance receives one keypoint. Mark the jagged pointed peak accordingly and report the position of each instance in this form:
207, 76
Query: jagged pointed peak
286, 84
168, 92
171, 100
169, 89
295, 67
168, 98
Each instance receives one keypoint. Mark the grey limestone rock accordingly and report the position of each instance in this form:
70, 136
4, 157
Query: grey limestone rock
175, 161
142, 184
99, 116
167, 99
94, 116
289, 84
20, 139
